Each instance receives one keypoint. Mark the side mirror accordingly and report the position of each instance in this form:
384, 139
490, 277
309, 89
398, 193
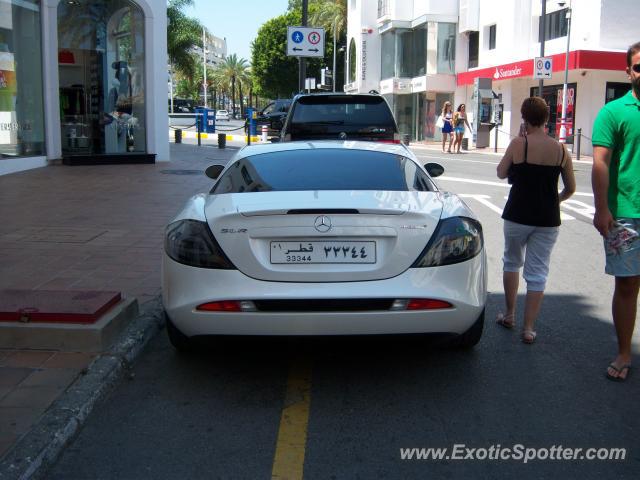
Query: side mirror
434, 169
214, 171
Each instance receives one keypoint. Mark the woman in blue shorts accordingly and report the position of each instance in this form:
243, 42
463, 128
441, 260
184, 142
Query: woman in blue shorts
447, 126
459, 121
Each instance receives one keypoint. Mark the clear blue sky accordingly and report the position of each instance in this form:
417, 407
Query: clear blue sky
236, 20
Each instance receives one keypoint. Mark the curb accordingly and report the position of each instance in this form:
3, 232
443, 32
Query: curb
40, 448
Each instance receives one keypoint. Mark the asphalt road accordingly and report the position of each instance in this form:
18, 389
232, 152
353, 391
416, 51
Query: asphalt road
216, 414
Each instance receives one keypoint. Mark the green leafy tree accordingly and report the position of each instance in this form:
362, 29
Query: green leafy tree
234, 70
332, 16
183, 33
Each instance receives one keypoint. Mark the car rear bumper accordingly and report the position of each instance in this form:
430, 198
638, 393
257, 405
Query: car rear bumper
463, 285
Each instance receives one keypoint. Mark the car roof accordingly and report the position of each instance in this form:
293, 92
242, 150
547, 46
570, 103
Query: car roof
391, 148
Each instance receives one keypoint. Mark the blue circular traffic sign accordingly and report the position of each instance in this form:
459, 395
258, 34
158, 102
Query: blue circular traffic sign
547, 65
297, 36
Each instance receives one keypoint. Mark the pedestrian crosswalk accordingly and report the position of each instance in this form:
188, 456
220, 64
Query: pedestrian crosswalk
576, 207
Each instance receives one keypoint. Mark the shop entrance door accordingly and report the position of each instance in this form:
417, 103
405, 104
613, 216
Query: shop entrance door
101, 74
552, 94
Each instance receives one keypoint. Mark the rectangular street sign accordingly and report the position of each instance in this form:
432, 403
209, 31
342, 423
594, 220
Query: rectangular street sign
305, 42
542, 67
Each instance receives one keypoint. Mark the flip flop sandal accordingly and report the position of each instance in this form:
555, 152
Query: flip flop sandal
505, 321
528, 336
619, 369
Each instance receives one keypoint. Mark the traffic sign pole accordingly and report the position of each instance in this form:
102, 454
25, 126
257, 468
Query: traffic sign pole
302, 66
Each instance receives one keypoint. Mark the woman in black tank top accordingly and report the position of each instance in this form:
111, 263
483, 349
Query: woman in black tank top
532, 212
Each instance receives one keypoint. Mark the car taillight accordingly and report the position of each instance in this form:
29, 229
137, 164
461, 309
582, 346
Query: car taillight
420, 304
191, 242
455, 240
227, 306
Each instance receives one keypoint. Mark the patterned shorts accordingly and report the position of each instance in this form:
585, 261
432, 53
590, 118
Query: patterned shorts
622, 248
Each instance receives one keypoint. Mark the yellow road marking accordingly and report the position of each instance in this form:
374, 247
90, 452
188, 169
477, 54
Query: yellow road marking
288, 462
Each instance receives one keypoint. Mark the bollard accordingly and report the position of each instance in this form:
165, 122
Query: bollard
222, 140
578, 145
265, 129
178, 135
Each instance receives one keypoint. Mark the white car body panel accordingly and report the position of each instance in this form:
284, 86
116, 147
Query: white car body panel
401, 223
463, 284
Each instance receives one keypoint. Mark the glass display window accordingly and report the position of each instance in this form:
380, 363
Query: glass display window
21, 89
101, 61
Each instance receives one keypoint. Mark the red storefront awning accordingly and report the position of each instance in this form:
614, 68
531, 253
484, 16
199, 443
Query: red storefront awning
578, 59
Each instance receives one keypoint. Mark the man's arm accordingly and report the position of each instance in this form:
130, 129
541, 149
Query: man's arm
602, 220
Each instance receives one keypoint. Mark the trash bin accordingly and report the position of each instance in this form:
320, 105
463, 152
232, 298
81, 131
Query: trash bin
222, 140
178, 135
465, 144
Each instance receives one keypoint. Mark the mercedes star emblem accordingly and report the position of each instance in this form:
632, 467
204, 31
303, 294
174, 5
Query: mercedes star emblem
322, 223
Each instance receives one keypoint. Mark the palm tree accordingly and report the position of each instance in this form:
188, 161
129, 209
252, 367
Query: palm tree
332, 15
234, 69
183, 33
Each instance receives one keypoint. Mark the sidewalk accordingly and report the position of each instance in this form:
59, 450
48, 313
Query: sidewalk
84, 228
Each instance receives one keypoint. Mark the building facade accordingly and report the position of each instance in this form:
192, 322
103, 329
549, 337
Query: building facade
82, 81
422, 53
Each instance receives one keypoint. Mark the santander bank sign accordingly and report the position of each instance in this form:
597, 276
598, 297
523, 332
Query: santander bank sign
515, 71
501, 72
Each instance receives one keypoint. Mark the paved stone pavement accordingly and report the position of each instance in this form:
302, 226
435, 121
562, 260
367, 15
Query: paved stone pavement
84, 228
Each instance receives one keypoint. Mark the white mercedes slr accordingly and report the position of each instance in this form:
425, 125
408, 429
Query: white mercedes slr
324, 238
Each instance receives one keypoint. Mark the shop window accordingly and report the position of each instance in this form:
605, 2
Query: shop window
388, 55
491, 33
383, 8
101, 71
555, 24
474, 43
446, 48
352, 61
21, 89
615, 90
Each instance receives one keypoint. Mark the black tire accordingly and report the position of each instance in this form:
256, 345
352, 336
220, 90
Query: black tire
471, 337
179, 340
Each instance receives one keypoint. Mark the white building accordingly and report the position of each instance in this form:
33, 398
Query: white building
421, 53
216, 51
82, 81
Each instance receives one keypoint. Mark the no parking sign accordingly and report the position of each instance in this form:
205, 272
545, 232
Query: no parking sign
542, 67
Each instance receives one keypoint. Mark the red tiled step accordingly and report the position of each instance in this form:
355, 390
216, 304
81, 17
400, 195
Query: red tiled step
55, 306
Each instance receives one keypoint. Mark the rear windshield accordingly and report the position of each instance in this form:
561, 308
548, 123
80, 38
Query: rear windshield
323, 169
356, 116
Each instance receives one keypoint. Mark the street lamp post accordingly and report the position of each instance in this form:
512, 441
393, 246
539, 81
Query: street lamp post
563, 125
204, 66
333, 73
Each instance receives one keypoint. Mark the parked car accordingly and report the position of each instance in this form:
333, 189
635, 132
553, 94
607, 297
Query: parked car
181, 105
341, 116
324, 238
272, 116
222, 115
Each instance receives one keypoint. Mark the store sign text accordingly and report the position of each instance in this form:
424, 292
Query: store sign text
364, 59
14, 127
516, 71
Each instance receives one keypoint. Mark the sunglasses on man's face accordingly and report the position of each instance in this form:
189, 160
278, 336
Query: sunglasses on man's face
636, 67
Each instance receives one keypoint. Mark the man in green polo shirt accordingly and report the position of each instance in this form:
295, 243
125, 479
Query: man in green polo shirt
615, 178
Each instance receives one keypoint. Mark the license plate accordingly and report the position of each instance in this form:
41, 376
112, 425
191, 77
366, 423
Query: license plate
323, 252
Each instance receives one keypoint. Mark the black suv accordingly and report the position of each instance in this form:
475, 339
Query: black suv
340, 116
272, 116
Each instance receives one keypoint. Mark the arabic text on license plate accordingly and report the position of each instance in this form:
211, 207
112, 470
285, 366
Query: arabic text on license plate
323, 252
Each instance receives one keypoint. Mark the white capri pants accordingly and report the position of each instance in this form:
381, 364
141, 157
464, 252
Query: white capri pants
529, 246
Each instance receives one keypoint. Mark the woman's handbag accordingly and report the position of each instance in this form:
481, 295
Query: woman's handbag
440, 122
